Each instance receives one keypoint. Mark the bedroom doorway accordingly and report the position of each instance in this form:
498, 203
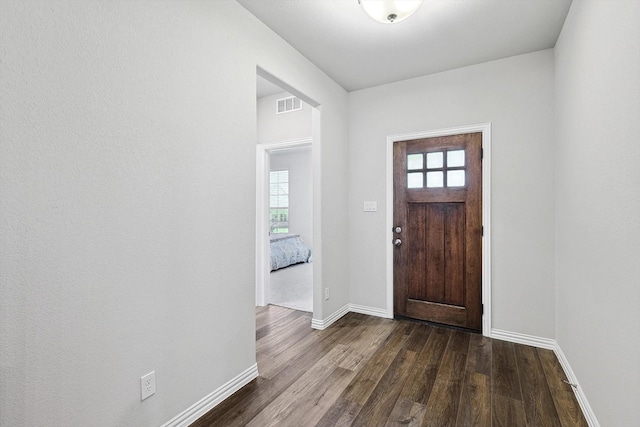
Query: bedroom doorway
290, 281
284, 202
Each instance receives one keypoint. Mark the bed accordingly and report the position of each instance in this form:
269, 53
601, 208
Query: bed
288, 249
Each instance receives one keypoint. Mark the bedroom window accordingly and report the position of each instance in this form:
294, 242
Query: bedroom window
279, 201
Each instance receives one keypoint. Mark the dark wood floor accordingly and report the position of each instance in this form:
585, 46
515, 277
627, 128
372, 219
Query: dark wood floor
368, 371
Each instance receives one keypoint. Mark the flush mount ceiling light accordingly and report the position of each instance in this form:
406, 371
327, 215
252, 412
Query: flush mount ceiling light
390, 11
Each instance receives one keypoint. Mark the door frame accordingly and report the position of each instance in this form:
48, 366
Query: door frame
263, 152
485, 129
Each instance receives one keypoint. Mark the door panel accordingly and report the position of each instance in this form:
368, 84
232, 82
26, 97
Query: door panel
437, 205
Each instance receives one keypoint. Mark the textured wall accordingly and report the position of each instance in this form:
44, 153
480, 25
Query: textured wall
127, 157
598, 203
516, 96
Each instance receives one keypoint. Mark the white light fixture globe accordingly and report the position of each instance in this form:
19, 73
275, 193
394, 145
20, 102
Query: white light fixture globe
390, 11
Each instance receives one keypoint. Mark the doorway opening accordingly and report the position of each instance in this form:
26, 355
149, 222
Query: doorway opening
287, 245
290, 202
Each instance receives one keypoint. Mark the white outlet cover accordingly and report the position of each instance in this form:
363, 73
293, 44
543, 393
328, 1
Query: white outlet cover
148, 385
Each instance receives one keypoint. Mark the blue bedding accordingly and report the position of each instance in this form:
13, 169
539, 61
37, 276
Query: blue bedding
288, 249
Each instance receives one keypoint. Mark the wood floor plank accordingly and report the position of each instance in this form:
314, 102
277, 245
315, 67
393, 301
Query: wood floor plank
443, 404
564, 399
269, 314
273, 318
270, 365
294, 324
240, 413
382, 400
406, 414
340, 414
479, 359
418, 337
366, 342
475, 400
507, 412
418, 387
311, 381
505, 380
232, 404
538, 403
370, 371
370, 374
311, 407
290, 370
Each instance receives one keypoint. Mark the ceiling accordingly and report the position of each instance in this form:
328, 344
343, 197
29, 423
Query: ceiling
358, 52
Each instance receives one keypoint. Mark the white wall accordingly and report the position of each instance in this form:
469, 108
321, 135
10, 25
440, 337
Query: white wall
127, 153
298, 162
598, 204
274, 127
516, 96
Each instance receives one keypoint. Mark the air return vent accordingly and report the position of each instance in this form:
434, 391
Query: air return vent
286, 105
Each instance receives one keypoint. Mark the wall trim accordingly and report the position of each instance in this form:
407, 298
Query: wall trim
518, 338
204, 405
349, 308
321, 324
287, 144
485, 128
371, 311
578, 391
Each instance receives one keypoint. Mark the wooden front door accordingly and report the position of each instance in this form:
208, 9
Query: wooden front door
437, 261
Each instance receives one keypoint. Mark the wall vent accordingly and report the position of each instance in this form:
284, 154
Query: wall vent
286, 105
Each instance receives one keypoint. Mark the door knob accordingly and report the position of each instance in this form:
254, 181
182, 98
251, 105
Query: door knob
398, 230
397, 242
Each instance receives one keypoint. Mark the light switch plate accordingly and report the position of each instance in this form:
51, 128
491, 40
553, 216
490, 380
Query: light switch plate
370, 206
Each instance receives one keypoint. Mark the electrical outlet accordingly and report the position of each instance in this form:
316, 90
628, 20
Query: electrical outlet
326, 293
148, 385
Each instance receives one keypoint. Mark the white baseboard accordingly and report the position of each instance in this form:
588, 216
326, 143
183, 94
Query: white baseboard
321, 324
355, 308
525, 339
551, 344
207, 403
580, 396
371, 311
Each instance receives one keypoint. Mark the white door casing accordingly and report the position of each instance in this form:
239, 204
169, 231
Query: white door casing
485, 128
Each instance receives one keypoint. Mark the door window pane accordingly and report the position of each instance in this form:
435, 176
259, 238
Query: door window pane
434, 160
455, 178
414, 161
455, 158
415, 180
435, 179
